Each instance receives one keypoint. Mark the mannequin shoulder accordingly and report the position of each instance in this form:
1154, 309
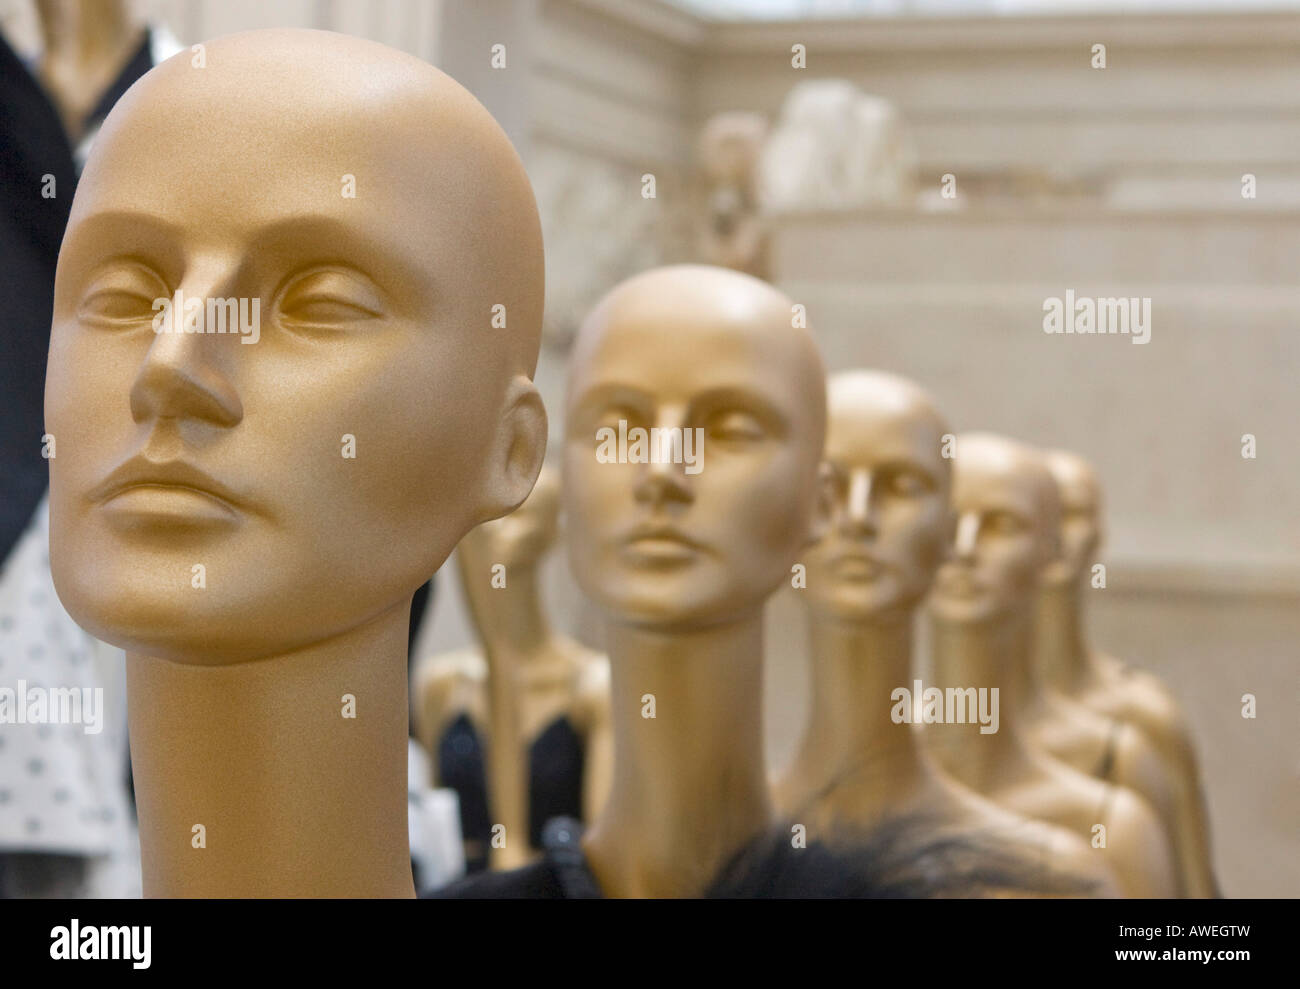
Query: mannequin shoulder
593, 673
591, 688
1144, 691
1144, 699
1137, 841
460, 667
1073, 857
447, 682
1138, 764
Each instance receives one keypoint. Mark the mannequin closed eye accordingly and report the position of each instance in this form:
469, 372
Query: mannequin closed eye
895, 480
122, 294
330, 297
906, 482
733, 426
1004, 524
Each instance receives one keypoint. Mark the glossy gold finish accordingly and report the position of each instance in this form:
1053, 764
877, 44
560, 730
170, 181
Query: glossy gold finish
681, 561
179, 451
856, 765
525, 675
1007, 534
1108, 687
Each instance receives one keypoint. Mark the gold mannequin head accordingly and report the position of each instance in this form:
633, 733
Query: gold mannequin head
1008, 520
520, 539
892, 522
1081, 523
713, 351
321, 472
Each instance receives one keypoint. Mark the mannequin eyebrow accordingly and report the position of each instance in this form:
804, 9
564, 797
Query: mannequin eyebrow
127, 233
309, 238
330, 242
602, 397
743, 399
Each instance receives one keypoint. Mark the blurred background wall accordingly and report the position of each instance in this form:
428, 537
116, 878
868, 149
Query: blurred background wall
1125, 180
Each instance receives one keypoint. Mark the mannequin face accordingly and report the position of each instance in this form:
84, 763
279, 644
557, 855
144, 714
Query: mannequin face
178, 450
891, 521
520, 539
693, 347
1080, 492
1007, 517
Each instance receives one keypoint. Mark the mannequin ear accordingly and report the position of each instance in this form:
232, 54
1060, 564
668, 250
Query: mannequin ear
823, 504
518, 448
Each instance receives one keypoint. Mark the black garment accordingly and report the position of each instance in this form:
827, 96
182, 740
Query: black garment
560, 874
908, 857
555, 775
32, 145
461, 768
555, 772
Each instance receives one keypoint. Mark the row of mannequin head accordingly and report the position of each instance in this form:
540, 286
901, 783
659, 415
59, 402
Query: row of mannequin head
249, 513
717, 363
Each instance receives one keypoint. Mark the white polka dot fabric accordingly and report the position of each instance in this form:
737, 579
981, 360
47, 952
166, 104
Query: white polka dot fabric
61, 789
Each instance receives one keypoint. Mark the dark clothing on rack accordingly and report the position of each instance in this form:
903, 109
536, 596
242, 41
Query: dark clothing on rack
35, 160
555, 778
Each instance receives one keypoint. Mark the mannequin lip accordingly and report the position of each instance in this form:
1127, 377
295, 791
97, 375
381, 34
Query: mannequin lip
856, 564
659, 543
173, 489
956, 584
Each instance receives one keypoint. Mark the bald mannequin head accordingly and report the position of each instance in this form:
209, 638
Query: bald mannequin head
1081, 522
376, 214
711, 351
1008, 518
891, 521
520, 539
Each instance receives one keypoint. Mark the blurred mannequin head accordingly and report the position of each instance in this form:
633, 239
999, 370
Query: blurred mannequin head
699, 348
1081, 524
184, 449
520, 539
1008, 518
891, 523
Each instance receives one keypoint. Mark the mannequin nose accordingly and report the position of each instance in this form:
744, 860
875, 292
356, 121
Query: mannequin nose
181, 378
968, 528
663, 479
859, 517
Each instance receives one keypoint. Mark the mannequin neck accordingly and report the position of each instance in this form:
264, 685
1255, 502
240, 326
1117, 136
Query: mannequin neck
295, 798
856, 667
991, 653
84, 30
509, 619
689, 784
1060, 641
